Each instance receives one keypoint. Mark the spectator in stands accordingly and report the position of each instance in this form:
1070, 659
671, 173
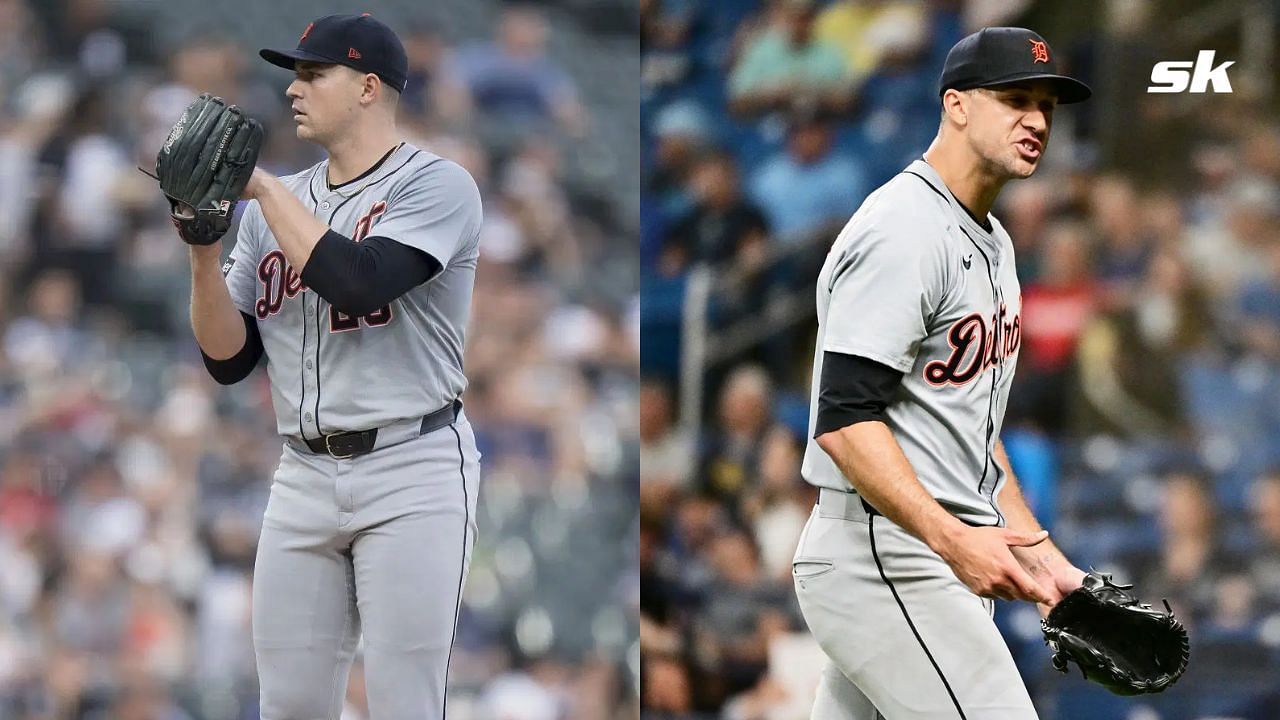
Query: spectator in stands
660, 600
1025, 210
724, 227
1233, 613
695, 523
21, 44
514, 80
1163, 219
743, 610
809, 190
89, 616
1264, 505
98, 36
1230, 251
79, 226
1055, 309
27, 507
50, 338
864, 31
778, 508
786, 65
666, 454
666, 689
1128, 359
665, 29
1124, 251
683, 133
731, 452
1258, 308
435, 94
1189, 554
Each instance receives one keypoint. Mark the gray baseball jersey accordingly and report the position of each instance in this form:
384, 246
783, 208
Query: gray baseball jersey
374, 545
916, 283
331, 372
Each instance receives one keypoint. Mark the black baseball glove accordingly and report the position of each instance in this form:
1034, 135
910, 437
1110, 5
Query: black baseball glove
1127, 647
204, 165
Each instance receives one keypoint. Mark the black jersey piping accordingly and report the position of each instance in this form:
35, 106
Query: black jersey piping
991, 398
998, 370
871, 531
302, 363
466, 528
925, 180
366, 173
967, 211
332, 215
311, 188
318, 336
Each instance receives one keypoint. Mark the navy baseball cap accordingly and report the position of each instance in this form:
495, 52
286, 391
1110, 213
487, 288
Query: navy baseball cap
1002, 55
360, 42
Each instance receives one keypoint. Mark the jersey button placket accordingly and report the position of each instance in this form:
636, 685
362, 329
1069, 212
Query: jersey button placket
310, 380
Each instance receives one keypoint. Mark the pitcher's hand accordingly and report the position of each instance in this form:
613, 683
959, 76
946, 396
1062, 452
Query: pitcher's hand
981, 558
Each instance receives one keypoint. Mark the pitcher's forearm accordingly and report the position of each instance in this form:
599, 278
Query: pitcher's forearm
215, 321
871, 459
296, 230
1018, 516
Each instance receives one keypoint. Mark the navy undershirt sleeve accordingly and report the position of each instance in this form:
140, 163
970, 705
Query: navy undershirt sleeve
360, 277
853, 389
237, 367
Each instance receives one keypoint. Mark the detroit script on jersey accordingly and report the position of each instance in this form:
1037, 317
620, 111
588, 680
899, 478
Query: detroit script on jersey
280, 280
976, 346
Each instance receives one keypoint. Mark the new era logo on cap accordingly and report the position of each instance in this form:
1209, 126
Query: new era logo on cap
353, 54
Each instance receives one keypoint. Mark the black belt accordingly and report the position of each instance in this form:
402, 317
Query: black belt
345, 445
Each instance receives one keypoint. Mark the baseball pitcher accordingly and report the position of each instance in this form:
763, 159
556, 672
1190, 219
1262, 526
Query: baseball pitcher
920, 523
354, 279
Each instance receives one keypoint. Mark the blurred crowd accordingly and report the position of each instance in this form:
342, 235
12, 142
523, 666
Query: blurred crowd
1143, 420
132, 487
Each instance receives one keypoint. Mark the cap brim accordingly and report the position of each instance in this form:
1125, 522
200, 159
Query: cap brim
1069, 89
287, 58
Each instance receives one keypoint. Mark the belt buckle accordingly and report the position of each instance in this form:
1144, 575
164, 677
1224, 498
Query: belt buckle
329, 448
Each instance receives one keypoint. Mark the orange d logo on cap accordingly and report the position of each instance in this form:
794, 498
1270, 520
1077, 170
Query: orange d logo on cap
1039, 51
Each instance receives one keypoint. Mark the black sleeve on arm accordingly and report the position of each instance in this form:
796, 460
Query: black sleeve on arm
238, 366
360, 277
853, 390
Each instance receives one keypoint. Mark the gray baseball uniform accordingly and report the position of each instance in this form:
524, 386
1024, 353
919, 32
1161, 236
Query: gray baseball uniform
380, 542
915, 283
